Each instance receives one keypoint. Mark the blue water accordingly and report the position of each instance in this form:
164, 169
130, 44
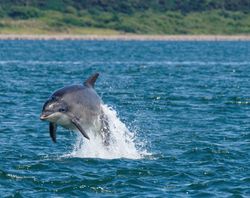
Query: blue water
186, 106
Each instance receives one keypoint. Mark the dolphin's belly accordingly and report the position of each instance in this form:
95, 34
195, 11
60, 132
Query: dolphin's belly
65, 122
88, 122
92, 123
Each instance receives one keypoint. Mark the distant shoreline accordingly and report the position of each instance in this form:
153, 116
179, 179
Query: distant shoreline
127, 37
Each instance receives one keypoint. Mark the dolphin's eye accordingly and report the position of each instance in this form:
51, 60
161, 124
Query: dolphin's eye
61, 110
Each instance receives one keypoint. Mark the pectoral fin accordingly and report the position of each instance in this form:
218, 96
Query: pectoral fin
78, 126
52, 131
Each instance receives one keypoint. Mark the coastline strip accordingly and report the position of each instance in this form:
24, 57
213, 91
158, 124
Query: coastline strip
127, 37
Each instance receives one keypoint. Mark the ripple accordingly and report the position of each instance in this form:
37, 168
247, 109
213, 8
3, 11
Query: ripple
185, 107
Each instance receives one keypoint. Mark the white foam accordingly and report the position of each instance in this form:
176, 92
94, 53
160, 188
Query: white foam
123, 142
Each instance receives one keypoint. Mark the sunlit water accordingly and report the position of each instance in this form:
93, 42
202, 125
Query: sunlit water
179, 114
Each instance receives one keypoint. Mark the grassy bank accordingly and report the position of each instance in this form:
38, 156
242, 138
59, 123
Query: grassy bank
108, 23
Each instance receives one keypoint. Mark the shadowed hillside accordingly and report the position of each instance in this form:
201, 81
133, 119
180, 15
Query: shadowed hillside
131, 16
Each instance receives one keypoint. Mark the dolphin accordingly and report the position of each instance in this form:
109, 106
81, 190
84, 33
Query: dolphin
77, 108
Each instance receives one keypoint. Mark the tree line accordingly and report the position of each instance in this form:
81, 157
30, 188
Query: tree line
131, 6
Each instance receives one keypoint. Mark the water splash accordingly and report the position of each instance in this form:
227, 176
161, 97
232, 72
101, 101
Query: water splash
123, 142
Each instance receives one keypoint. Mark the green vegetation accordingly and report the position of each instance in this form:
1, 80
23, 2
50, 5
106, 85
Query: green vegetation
130, 16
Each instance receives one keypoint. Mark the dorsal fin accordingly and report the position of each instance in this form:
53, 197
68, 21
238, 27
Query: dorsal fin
90, 82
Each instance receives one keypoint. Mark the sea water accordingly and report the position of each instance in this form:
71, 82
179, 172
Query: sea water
179, 114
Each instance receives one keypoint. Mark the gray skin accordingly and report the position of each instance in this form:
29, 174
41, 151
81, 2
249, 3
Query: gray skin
78, 108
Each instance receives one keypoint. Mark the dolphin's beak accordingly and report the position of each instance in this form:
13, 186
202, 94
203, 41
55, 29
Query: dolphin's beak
44, 116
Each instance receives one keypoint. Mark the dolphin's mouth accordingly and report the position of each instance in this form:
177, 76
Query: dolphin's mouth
45, 116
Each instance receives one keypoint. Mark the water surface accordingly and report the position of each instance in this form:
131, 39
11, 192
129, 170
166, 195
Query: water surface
186, 106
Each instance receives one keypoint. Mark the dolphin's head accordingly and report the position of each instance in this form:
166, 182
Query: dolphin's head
74, 107
53, 109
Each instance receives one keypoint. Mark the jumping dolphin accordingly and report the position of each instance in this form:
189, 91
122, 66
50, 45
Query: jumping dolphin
78, 108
